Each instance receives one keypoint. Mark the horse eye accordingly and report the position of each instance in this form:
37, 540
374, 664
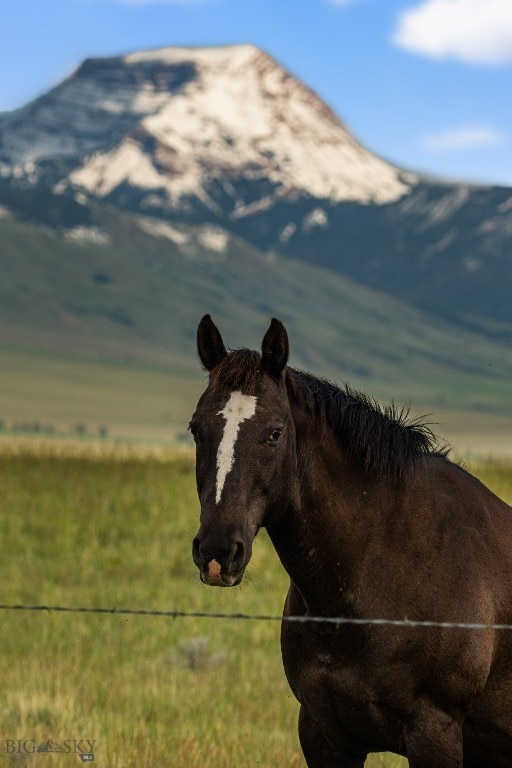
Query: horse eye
193, 430
275, 435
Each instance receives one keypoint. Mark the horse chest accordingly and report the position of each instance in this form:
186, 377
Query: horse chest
328, 678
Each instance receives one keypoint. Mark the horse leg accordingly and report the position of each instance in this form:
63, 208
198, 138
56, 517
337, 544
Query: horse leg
319, 753
433, 739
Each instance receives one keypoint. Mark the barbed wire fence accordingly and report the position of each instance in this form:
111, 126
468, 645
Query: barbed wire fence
335, 620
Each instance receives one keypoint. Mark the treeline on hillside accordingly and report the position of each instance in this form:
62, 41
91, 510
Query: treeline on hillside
43, 428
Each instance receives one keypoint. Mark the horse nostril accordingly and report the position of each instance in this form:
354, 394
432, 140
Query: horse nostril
238, 554
195, 551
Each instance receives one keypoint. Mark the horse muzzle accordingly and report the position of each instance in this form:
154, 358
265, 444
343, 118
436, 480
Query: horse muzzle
214, 577
220, 564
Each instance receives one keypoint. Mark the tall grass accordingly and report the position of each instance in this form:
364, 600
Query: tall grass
115, 531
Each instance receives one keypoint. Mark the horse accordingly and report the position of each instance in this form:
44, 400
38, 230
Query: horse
371, 519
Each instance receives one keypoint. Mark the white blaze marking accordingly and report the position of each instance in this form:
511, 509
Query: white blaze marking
238, 408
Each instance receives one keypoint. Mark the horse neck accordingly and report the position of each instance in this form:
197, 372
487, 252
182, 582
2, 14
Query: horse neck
325, 530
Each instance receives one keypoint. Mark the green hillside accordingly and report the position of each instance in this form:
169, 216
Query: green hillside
97, 324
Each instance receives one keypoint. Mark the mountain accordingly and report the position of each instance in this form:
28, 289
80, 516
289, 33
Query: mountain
177, 126
130, 289
445, 248
147, 189
227, 136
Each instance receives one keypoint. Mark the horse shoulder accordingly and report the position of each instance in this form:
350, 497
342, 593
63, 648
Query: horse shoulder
466, 528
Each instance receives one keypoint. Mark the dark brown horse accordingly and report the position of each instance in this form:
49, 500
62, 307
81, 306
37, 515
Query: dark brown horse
370, 520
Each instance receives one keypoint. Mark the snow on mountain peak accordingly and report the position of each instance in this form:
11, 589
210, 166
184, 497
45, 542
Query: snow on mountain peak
174, 123
223, 56
241, 116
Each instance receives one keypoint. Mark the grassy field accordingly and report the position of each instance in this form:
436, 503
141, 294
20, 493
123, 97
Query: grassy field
154, 404
114, 529
132, 401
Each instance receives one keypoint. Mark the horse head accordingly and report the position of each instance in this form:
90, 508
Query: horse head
245, 449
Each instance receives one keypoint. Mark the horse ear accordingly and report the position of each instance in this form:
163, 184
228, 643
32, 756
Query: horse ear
274, 349
210, 346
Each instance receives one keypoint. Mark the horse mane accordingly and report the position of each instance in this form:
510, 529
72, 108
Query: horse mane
384, 440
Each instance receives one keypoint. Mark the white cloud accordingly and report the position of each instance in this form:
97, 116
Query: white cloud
465, 137
477, 31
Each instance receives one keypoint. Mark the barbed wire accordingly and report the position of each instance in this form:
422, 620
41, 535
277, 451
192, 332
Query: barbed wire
336, 620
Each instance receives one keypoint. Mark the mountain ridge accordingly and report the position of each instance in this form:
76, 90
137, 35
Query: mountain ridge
125, 102
119, 286
399, 284
227, 136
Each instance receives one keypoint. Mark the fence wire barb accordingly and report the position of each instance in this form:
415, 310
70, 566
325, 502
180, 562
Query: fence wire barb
337, 620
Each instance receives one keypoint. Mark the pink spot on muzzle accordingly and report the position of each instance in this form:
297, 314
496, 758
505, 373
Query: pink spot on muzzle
214, 569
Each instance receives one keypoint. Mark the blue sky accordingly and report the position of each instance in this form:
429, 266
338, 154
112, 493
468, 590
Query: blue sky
426, 84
